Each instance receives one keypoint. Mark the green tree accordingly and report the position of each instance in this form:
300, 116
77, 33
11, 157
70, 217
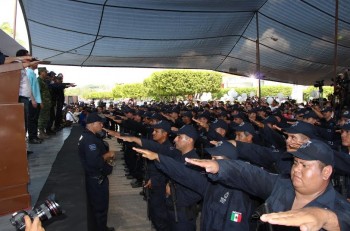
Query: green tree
134, 90
6, 27
274, 90
117, 91
327, 90
173, 83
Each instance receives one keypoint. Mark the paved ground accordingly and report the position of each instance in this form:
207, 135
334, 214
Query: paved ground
127, 209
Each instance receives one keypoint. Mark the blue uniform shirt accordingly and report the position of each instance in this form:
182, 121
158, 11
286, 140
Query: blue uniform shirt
278, 191
91, 150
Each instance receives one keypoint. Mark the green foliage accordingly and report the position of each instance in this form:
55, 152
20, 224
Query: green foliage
172, 83
220, 93
327, 90
133, 90
265, 91
274, 90
99, 95
247, 90
117, 91
90, 92
73, 91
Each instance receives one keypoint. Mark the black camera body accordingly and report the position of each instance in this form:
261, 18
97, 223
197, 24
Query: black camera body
50, 208
319, 83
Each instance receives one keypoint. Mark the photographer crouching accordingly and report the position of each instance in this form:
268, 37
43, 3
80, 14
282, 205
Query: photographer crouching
96, 160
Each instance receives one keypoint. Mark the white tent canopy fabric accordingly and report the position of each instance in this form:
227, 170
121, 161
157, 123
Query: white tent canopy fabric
198, 34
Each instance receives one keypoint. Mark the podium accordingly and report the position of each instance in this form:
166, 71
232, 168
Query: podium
14, 175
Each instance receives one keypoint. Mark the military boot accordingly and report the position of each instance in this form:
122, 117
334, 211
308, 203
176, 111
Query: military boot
42, 134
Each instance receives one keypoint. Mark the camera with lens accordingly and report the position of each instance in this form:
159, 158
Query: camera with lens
50, 208
341, 82
320, 85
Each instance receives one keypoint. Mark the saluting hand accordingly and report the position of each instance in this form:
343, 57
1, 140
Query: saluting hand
307, 219
147, 154
111, 132
211, 166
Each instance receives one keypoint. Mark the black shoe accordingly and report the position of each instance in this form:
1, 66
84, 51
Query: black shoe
137, 184
34, 141
41, 140
29, 152
110, 229
142, 193
130, 177
50, 132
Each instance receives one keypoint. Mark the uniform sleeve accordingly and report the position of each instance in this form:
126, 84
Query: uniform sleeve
343, 214
342, 162
182, 174
246, 177
93, 157
257, 154
150, 145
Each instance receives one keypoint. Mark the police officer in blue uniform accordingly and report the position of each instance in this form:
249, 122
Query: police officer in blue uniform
95, 160
181, 202
308, 186
224, 208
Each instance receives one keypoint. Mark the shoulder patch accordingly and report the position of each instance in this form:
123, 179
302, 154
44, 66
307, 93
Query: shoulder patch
92, 147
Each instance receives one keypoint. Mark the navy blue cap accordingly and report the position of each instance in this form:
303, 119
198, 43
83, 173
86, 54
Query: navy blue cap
129, 110
93, 117
346, 114
304, 128
223, 114
239, 115
156, 116
300, 111
315, 150
270, 120
277, 112
187, 114
163, 124
310, 114
253, 110
346, 126
189, 131
205, 114
139, 113
223, 148
176, 110
218, 123
147, 114
245, 127
327, 109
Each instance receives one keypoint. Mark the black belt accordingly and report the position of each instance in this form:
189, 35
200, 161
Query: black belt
24, 97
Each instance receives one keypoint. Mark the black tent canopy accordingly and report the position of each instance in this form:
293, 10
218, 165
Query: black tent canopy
295, 37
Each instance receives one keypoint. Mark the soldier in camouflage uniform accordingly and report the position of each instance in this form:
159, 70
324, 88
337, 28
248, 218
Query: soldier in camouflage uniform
44, 115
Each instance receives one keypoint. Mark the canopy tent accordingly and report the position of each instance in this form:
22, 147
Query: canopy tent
296, 37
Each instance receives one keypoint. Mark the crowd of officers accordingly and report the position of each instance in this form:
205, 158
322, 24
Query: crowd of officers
255, 156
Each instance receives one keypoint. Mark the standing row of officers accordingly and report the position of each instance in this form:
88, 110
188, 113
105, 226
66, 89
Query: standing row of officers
231, 164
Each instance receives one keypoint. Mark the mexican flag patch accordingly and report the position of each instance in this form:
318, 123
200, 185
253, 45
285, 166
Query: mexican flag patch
236, 216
